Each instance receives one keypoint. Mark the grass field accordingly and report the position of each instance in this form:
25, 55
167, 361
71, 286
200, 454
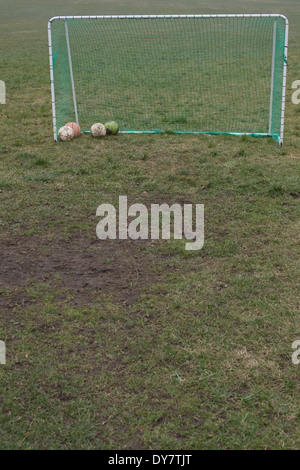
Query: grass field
142, 345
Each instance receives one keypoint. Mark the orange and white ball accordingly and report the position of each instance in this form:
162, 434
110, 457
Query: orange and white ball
75, 128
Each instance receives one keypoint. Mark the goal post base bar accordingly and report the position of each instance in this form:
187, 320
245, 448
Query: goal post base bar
159, 131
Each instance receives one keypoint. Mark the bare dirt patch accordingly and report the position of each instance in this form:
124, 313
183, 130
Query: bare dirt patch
81, 264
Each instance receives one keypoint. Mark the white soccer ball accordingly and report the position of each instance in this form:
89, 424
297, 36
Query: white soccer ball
65, 133
98, 130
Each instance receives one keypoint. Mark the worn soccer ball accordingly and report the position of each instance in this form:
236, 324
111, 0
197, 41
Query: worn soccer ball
75, 128
98, 130
112, 127
65, 133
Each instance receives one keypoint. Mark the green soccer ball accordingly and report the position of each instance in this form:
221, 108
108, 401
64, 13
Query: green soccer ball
112, 127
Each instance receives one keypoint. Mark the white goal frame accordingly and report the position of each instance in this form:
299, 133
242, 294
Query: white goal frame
117, 17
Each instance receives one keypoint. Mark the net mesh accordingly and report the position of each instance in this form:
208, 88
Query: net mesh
210, 75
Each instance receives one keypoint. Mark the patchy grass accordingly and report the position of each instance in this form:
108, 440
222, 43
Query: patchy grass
142, 345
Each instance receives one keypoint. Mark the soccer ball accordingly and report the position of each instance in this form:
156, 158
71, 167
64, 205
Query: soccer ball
65, 133
112, 127
98, 130
75, 128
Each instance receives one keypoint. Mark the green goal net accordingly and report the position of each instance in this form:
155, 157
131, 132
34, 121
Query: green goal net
216, 74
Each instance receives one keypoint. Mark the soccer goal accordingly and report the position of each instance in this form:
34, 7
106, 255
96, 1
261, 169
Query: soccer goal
197, 74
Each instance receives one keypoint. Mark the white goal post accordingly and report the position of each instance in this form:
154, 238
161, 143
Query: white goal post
171, 73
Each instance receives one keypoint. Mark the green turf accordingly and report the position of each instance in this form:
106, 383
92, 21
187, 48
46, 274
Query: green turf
176, 350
